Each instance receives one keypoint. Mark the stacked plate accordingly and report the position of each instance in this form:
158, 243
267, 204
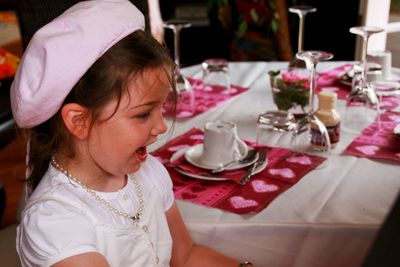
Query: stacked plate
193, 156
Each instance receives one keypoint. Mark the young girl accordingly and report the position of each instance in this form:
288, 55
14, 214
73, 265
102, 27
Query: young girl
91, 85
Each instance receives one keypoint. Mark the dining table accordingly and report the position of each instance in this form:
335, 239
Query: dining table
328, 218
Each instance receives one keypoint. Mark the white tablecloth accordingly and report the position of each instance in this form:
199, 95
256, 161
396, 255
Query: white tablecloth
329, 218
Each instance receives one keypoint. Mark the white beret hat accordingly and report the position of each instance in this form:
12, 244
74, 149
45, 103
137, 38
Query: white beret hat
61, 52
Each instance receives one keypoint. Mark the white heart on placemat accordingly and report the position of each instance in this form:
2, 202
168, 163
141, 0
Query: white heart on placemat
239, 202
302, 160
368, 150
197, 137
285, 172
263, 187
184, 114
177, 148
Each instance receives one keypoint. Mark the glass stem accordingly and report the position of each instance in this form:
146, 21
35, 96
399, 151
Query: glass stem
364, 60
312, 87
176, 45
301, 33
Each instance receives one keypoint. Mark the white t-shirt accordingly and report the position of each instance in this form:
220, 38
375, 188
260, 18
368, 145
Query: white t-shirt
61, 220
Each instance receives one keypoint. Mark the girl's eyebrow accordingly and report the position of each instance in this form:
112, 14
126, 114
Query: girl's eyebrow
150, 103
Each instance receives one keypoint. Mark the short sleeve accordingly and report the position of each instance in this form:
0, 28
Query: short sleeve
161, 180
51, 231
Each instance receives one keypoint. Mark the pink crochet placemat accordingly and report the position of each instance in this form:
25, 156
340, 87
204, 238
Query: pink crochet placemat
285, 169
204, 100
378, 142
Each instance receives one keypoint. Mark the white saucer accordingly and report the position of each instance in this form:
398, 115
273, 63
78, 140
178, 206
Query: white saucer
193, 156
179, 153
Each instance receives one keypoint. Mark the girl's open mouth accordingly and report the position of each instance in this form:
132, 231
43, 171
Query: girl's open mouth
141, 154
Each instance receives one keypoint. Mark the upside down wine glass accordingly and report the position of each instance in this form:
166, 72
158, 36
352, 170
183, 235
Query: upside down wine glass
310, 134
301, 11
362, 104
185, 106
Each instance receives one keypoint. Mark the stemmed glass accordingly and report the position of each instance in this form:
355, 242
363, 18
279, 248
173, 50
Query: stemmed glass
362, 105
301, 11
185, 105
310, 134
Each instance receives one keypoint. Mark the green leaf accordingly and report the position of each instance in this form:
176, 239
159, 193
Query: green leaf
274, 25
272, 5
254, 15
242, 28
287, 96
274, 73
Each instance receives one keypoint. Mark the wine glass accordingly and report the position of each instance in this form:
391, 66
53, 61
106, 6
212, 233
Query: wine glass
310, 134
362, 104
216, 72
301, 11
185, 106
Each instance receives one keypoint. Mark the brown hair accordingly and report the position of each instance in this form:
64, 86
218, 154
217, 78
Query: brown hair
106, 79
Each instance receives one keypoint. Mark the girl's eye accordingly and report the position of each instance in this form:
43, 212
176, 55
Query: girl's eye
143, 116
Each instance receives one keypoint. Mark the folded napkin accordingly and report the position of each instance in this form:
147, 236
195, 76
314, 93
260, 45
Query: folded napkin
376, 141
285, 168
204, 99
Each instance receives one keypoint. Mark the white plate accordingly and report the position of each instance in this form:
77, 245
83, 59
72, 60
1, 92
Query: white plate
386, 88
179, 153
193, 156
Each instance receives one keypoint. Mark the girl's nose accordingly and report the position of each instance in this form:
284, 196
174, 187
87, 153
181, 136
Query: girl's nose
160, 126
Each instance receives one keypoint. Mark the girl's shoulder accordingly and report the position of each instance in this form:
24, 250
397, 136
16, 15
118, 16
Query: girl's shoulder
56, 191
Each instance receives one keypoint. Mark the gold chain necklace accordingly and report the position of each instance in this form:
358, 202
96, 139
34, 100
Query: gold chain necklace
104, 202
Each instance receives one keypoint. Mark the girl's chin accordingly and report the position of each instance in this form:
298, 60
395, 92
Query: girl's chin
134, 168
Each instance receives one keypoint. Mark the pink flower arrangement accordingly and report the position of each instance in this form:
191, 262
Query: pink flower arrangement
301, 79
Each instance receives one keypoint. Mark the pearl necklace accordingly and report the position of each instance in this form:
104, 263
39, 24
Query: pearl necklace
104, 202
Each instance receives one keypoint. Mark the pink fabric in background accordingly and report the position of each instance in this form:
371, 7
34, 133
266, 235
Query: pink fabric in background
378, 142
284, 170
329, 81
205, 99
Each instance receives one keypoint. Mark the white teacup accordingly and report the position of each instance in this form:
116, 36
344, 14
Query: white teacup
383, 58
222, 144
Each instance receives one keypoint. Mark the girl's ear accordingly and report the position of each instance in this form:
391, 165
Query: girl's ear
76, 120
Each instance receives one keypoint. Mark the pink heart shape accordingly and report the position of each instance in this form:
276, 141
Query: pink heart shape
197, 137
263, 187
177, 148
184, 114
302, 160
285, 172
368, 150
239, 202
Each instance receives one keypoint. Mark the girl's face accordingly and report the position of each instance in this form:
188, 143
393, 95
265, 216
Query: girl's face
118, 141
